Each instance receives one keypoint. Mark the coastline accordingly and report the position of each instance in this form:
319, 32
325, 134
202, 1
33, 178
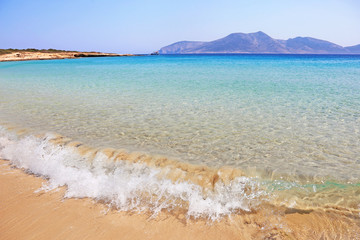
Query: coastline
38, 55
99, 176
25, 213
29, 56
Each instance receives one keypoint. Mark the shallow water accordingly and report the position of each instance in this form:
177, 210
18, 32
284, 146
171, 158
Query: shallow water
292, 115
291, 121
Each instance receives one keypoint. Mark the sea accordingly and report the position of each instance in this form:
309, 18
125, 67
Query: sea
212, 135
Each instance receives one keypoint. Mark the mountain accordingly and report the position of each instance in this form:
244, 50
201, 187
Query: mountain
242, 43
180, 47
354, 49
313, 45
259, 42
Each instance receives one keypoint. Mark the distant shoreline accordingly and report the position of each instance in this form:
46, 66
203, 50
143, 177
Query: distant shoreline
261, 54
14, 55
9, 55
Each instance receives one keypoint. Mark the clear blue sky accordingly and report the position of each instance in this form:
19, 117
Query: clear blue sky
143, 26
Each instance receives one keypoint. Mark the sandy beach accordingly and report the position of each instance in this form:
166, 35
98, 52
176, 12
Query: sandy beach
160, 120
31, 55
27, 213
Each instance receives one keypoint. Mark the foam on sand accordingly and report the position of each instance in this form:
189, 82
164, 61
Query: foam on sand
183, 196
131, 182
25, 214
141, 182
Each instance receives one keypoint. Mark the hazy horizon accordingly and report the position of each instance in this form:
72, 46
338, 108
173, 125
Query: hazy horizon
144, 27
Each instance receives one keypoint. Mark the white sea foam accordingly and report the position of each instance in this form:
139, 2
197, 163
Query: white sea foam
124, 185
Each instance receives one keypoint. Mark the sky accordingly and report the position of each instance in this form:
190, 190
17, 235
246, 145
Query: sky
144, 26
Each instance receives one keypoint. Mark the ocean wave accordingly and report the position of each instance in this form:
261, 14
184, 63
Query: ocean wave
140, 182
131, 182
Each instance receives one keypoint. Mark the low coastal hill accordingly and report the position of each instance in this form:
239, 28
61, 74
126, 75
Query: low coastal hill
354, 49
43, 54
259, 42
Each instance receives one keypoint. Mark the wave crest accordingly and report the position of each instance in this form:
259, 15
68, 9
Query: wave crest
132, 181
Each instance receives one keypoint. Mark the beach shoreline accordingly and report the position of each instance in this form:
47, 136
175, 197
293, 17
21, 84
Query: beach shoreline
24, 55
25, 213
136, 149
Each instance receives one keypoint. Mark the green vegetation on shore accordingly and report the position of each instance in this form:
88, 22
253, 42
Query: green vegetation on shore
50, 50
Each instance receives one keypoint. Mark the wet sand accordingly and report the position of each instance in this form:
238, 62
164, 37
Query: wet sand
27, 214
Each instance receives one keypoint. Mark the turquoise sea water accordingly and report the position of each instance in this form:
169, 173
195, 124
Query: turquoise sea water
277, 117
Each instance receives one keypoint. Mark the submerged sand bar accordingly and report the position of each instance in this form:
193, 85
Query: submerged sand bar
24, 55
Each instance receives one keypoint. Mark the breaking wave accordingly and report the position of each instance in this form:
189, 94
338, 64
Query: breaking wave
131, 181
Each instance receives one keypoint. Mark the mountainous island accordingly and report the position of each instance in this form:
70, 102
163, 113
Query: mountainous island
258, 42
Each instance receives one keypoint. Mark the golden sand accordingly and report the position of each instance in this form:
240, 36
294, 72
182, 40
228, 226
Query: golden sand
27, 214
24, 55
